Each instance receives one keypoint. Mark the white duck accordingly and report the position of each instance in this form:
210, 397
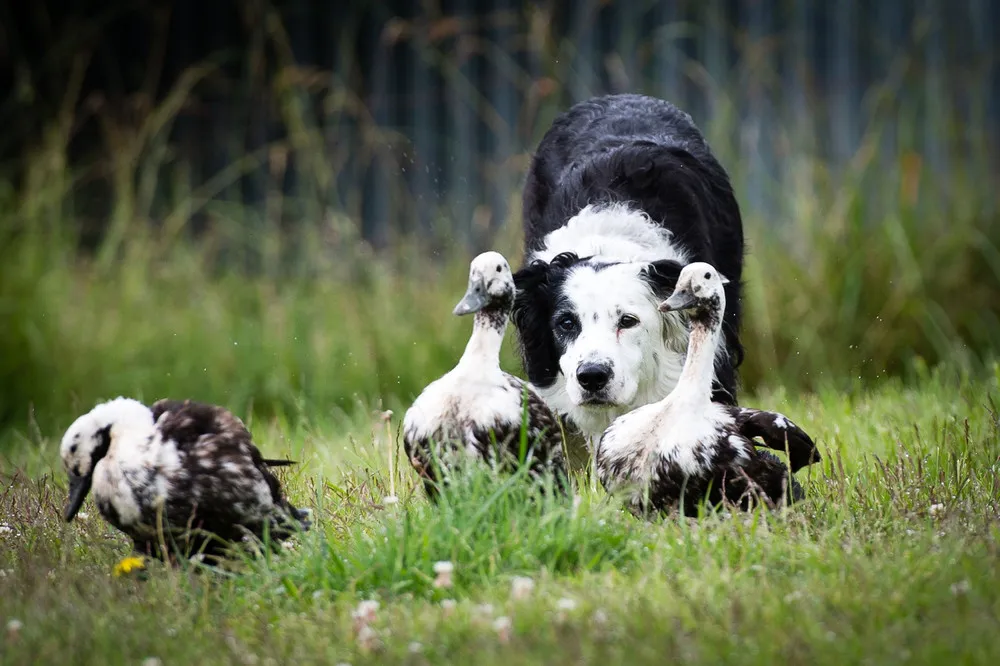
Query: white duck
686, 449
477, 410
191, 464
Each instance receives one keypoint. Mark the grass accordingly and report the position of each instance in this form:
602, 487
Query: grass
892, 559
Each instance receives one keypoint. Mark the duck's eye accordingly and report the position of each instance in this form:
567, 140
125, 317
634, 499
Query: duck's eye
72, 449
708, 276
566, 323
628, 321
499, 268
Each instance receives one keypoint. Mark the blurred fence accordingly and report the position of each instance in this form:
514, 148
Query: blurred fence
409, 115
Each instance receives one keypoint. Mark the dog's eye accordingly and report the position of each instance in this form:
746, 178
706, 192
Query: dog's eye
628, 321
708, 276
566, 323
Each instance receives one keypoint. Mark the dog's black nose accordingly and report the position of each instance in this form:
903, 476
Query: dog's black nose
593, 376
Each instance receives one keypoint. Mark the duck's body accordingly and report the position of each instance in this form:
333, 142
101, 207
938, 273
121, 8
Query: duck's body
694, 457
686, 449
184, 472
476, 411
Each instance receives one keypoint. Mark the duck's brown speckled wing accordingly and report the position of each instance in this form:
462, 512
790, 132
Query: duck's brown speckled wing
777, 432
502, 437
224, 478
763, 476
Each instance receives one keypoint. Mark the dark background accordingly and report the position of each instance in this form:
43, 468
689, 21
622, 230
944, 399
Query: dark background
421, 113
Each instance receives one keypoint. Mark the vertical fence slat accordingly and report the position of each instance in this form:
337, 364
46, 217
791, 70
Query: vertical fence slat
460, 140
503, 98
582, 50
667, 65
934, 91
842, 79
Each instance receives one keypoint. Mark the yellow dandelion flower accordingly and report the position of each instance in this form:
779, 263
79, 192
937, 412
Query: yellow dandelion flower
130, 564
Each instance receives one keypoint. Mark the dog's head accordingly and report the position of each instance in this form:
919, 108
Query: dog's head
590, 331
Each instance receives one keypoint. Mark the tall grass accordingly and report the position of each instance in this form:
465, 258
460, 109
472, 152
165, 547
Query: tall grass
874, 269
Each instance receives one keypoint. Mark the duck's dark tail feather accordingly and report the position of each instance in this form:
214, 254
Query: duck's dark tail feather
272, 462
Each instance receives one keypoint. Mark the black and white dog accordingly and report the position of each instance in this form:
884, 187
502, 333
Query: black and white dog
622, 192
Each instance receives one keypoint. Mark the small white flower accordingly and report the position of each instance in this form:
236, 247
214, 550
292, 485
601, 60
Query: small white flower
82, 515
503, 626
365, 613
6, 529
289, 545
485, 610
152, 661
443, 571
600, 618
936, 509
390, 500
448, 606
564, 606
521, 588
415, 647
960, 588
14, 628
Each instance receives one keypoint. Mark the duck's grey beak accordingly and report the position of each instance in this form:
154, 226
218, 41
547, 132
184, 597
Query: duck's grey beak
79, 486
474, 299
679, 300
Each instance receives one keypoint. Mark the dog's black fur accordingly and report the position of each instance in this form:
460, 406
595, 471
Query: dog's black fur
646, 152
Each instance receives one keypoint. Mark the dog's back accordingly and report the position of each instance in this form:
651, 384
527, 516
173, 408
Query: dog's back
590, 149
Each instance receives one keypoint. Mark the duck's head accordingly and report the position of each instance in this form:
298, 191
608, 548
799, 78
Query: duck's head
700, 291
491, 285
88, 440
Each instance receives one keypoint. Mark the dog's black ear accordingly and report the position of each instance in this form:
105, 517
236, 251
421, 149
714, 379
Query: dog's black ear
662, 276
531, 276
565, 260
532, 320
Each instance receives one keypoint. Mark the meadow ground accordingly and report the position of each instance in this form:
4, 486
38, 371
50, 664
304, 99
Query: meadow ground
892, 559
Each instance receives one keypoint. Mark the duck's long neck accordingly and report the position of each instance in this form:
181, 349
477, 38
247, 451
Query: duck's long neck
483, 348
695, 382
